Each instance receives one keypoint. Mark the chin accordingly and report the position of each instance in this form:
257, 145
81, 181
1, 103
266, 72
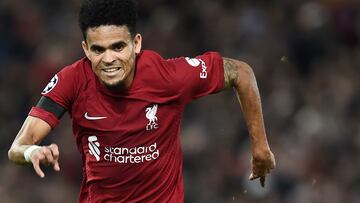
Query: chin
115, 86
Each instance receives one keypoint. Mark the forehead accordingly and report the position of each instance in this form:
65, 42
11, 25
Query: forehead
107, 34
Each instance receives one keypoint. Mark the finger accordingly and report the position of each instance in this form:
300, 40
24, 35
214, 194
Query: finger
36, 166
48, 156
55, 153
56, 166
262, 181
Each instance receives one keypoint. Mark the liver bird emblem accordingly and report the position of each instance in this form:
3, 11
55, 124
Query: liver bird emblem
151, 114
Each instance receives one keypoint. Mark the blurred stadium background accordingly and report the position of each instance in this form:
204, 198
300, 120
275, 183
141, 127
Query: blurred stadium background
306, 57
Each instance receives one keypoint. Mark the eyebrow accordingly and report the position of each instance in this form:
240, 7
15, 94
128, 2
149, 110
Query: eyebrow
96, 47
115, 44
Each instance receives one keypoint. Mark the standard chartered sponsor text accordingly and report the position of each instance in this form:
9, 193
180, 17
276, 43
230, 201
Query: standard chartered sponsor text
133, 155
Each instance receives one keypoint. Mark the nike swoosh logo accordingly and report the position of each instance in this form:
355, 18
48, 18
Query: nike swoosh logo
93, 117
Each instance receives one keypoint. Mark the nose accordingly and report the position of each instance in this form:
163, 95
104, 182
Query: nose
108, 57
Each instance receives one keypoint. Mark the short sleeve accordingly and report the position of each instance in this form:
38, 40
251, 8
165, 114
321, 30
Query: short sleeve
199, 76
61, 90
44, 115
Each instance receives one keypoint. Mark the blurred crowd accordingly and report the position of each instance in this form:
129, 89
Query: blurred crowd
306, 57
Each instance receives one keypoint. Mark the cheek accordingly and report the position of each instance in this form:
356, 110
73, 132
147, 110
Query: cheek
94, 61
127, 55
95, 67
131, 56
129, 63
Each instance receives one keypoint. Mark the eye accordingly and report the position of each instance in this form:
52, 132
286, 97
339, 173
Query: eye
97, 50
118, 47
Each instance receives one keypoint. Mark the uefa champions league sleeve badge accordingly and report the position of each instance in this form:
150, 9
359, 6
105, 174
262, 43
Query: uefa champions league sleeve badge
50, 86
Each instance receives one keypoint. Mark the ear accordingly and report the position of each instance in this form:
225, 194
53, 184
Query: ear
137, 42
85, 48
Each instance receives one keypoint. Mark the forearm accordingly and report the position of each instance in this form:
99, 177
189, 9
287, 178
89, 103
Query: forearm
249, 98
31, 133
22, 141
16, 154
240, 76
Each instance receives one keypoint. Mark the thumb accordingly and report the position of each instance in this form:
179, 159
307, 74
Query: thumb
251, 177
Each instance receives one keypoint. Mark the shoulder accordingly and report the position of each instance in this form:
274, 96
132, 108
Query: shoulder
154, 74
77, 67
74, 75
152, 64
149, 57
78, 71
153, 61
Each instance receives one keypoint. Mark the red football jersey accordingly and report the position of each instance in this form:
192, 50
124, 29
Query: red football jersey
129, 141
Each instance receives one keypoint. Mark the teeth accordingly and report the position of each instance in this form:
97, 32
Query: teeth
111, 70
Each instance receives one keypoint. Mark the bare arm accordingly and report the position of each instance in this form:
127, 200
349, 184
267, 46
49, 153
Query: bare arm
240, 76
31, 133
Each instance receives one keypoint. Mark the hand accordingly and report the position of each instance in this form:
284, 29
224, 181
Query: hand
46, 155
261, 164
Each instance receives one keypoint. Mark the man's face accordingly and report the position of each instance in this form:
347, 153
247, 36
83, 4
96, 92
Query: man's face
112, 52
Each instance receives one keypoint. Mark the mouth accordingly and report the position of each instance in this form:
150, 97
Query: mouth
112, 72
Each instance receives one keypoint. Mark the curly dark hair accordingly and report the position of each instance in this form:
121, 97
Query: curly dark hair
94, 13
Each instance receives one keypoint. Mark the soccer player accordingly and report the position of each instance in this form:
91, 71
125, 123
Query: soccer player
126, 107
